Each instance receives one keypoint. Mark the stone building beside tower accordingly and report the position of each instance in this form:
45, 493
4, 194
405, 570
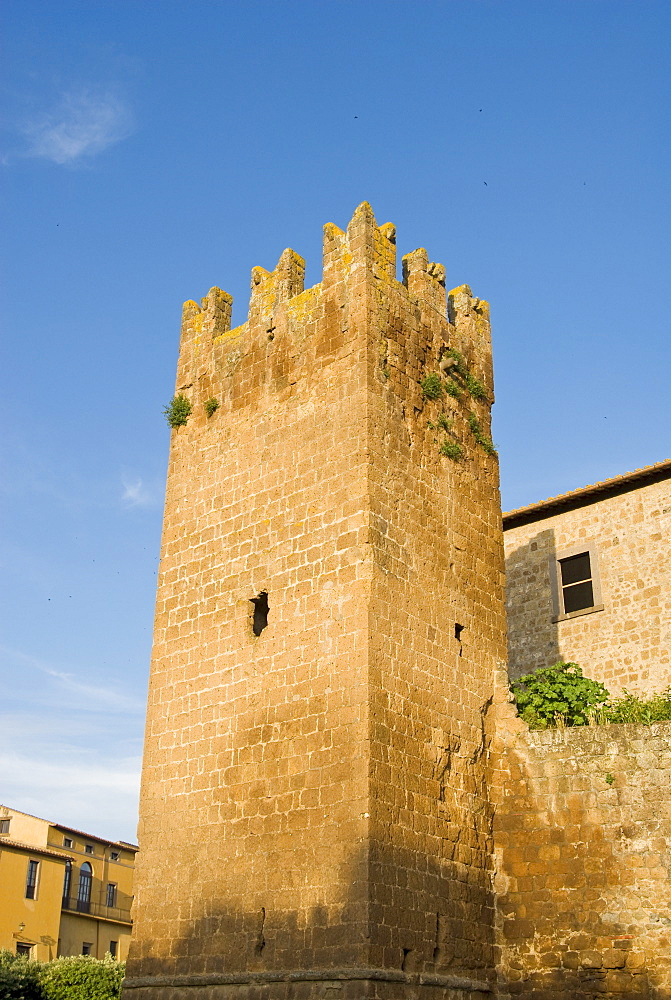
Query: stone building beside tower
588, 579
338, 800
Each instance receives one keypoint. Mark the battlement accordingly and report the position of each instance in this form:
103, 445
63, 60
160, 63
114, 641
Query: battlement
363, 245
284, 319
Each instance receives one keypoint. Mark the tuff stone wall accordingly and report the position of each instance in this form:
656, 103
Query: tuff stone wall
628, 643
583, 857
314, 812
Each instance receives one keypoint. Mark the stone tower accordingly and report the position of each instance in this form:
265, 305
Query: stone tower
314, 818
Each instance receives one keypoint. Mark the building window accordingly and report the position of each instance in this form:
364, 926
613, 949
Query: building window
114, 855
67, 883
4, 826
23, 949
31, 879
87, 948
575, 582
84, 888
113, 948
111, 894
67, 842
88, 848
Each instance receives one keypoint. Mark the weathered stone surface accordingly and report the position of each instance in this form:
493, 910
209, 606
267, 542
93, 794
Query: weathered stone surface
583, 866
339, 800
314, 797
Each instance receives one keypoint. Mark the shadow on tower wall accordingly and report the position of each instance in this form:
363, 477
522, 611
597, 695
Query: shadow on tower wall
533, 638
345, 951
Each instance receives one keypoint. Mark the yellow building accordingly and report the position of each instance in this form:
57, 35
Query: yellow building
62, 892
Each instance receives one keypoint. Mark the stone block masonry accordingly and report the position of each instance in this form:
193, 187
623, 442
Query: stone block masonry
625, 641
583, 847
314, 815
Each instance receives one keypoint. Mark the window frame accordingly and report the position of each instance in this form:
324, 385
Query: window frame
84, 888
67, 884
111, 894
4, 825
32, 882
590, 549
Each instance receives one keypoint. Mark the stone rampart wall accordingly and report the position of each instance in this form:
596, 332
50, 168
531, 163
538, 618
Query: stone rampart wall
583, 845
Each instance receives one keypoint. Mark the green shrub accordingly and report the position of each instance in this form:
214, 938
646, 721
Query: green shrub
459, 362
479, 435
444, 422
475, 386
210, 406
558, 695
80, 977
177, 411
432, 386
452, 389
452, 449
19, 978
632, 708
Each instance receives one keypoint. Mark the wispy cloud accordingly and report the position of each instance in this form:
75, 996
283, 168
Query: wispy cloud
92, 697
81, 124
69, 747
99, 696
96, 792
135, 493
90, 774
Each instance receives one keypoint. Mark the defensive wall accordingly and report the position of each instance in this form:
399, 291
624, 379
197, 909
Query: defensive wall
582, 836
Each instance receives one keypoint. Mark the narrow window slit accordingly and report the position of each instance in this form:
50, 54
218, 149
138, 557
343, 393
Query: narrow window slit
260, 619
260, 939
408, 960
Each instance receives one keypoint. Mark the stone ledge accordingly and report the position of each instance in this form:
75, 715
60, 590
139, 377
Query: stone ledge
433, 979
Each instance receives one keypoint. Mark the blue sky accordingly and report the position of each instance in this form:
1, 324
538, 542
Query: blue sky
153, 149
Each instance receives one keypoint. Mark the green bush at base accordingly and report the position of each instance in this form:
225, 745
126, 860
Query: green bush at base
632, 708
78, 977
19, 978
557, 695
561, 696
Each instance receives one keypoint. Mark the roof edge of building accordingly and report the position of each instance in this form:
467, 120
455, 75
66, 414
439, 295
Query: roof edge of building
94, 836
72, 829
32, 848
585, 494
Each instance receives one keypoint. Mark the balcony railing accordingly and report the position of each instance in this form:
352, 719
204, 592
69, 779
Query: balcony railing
74, 905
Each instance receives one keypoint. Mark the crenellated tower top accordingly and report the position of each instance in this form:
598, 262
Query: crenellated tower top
359, 261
